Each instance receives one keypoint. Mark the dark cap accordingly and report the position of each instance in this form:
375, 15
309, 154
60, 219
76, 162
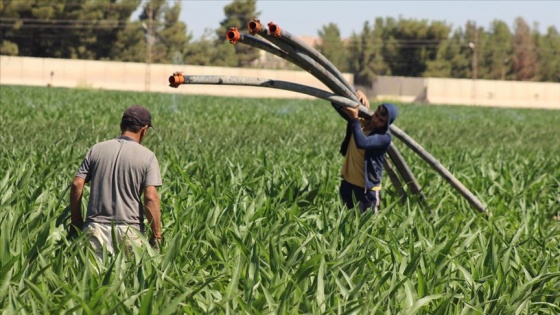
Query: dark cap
137, 115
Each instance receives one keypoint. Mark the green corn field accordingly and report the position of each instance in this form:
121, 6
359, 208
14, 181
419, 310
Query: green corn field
252, 221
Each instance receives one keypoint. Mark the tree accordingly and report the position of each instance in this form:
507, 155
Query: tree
133, 42
549, 56
209, 51
202, 52
64, 29
459, 54
440, 67
469, 49
359, 55
525, 57
8, 48
366, 54
414, 43
495, 59
332, 47
160, 28
130, 44
112, 17
238, 14
453, 59
151, 21
171, 39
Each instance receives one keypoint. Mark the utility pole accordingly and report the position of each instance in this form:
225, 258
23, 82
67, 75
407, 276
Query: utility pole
149, 40
474, 67
506, 60
475, 54
474, 45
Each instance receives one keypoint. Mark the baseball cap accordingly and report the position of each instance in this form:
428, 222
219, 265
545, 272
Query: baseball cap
137, 115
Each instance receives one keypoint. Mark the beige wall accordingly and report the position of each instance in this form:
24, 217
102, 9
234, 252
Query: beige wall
400, 88
468, 92
494, 93
139, 77
130, 76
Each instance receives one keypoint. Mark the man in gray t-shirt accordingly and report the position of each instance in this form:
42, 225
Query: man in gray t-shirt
119, 172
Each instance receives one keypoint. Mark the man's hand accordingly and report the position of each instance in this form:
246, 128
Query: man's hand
76, 207
155, 243
363, 98
153, 214
352, 112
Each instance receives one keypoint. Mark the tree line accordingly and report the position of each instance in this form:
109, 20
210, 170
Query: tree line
104, 30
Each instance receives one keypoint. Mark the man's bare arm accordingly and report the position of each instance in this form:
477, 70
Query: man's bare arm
153, 211
76, 192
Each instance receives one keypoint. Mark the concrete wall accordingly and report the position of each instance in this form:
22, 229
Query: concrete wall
494, 93
129, 76
402, 89
140, 77
468, 92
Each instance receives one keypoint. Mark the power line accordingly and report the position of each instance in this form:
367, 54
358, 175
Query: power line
59, 26
15, 24
61, 21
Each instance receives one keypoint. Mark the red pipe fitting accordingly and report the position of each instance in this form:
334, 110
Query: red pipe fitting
254, 26
176, 79
273, 29
233, 35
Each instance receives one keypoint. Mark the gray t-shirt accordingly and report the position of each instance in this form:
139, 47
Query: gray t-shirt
118, 170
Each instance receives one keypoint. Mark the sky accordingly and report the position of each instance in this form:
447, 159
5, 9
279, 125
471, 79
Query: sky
307, 17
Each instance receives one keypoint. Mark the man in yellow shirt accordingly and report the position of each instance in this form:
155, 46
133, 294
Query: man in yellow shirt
364, 148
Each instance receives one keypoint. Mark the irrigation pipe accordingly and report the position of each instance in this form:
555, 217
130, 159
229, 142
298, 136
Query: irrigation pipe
395, 180
178, 79
405, 171
402, 168
275, 31
395, 155
234, 36
335, 81
434, 163
298, 58
327, 73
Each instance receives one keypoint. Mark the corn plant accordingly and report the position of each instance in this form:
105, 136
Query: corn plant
252, 221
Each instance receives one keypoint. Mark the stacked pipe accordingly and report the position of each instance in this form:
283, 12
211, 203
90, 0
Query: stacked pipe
282, 44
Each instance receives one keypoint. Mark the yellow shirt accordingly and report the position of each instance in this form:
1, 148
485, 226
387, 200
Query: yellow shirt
353, 169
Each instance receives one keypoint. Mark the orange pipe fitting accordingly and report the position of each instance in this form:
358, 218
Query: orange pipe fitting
273, 29
254, 26
176, 79
233, 35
